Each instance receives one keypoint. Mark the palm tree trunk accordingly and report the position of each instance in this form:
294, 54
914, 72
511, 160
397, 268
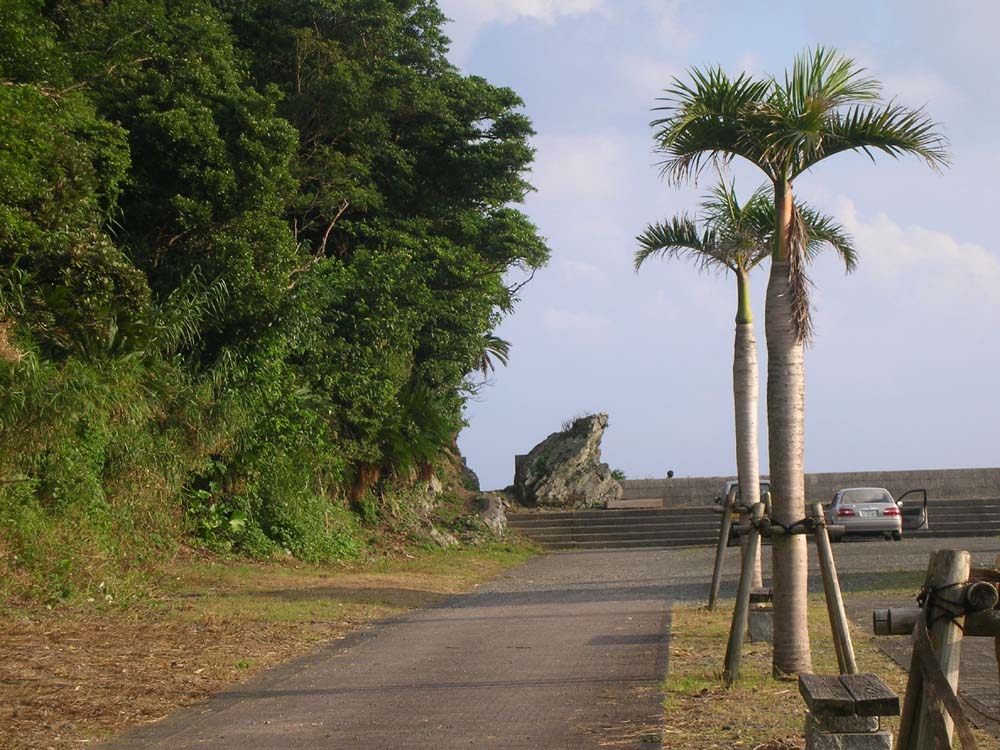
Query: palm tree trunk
746, 390
785, 417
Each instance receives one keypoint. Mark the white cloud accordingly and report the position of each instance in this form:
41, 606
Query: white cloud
648, 77
469, 16
748, 62
932, 265
919, 89
589, 167
588, 327
670, 31
581, 271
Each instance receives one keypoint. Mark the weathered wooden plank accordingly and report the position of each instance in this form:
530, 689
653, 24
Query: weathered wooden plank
825, 695
872, 697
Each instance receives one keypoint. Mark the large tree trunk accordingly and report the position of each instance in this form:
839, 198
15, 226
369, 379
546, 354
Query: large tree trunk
785, 416
746, 390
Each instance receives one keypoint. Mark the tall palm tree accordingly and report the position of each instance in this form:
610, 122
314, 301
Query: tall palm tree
825, 105
737, 238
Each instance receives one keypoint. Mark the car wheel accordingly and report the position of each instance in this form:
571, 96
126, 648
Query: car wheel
897, 536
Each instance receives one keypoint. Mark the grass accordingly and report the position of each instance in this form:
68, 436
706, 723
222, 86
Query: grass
80, 673
349, 592
760, 712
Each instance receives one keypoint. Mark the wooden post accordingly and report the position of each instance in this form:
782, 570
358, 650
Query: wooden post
834, 599
912, 703
720, 550
758, 575
901, 621
947, 567
738, 627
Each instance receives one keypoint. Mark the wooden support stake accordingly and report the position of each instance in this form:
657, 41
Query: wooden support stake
720, 551
738, 628
912, 704
834, 598
947, 568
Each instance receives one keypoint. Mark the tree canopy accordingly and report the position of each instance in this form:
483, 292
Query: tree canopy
278, 230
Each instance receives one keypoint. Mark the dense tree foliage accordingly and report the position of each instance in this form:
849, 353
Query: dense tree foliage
251, 253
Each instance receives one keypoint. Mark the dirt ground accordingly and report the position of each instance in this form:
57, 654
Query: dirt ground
73, 676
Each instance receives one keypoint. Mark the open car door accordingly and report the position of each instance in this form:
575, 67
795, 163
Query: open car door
913, 510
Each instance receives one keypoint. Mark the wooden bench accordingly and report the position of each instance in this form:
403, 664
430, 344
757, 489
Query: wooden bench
845, 711
848, 695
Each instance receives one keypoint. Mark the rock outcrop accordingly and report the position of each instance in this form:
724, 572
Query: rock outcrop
493, 514
565, 469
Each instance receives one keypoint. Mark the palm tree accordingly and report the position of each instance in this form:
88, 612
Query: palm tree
737, 238
493, 347
824, 106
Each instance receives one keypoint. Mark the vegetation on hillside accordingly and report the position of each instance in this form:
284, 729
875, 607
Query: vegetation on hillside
251, 257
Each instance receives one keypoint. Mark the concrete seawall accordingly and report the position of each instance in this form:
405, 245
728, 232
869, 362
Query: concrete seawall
941, 484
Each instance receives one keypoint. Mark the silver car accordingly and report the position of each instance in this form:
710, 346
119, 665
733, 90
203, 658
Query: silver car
866, 510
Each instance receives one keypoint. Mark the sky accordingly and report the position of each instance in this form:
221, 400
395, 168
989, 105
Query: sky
904, 369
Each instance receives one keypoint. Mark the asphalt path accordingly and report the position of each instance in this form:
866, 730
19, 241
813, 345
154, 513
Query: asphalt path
566, 651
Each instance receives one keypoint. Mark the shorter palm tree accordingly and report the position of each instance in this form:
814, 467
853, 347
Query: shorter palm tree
737, 238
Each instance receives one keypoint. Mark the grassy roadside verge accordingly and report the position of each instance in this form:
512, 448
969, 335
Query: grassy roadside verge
758, 713
73, 676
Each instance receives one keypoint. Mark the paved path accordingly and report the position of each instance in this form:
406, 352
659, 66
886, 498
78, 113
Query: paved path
567, 651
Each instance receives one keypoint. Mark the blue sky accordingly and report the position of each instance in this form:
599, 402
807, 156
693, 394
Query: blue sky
905, 366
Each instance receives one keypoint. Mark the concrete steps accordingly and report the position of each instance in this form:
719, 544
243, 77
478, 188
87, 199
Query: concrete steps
962, 518
619, 529
687, 527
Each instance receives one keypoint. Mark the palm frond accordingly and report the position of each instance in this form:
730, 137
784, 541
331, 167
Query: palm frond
811, 231
822, 230
758, 218
721, 206
702, 121
893, 129
740, 236
178, 320
494, 348
822, 79
678, 238
798, 280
